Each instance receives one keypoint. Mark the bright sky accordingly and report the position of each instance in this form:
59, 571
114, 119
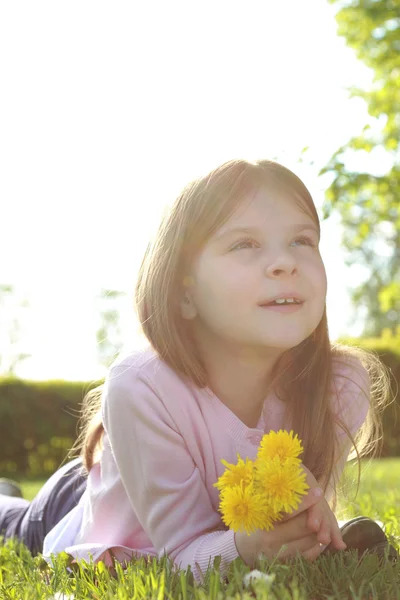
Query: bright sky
108, 109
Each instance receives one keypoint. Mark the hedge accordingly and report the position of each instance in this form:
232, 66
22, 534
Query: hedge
38, 420
38, 424
387, 347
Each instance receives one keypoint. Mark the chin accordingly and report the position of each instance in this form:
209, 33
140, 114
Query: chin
285, 342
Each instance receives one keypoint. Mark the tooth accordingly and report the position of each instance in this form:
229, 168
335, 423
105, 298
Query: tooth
284, 300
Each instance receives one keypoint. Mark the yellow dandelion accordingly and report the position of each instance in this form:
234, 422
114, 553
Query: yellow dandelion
282, 444
283, 484
242, 472
244, 509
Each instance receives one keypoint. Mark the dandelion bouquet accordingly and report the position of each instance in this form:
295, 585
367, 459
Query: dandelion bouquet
253, 495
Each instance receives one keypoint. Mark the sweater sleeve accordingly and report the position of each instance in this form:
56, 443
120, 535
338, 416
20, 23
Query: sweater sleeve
353, 397
161, 479
352, 401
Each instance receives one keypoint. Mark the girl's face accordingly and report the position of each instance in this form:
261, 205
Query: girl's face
267, 249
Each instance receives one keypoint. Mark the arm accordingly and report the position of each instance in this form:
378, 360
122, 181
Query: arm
351, 404
161, 478
351, 407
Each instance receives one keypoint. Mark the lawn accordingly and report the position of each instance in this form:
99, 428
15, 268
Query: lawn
340, 576
31, 488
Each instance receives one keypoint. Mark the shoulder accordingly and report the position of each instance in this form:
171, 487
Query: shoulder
129, 365
145, 365
142, 379
350, 375
350, 390
349, 372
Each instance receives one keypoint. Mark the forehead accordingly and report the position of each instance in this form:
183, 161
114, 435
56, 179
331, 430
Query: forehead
272, 206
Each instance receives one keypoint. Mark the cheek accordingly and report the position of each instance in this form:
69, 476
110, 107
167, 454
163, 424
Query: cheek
240, 281
223, 284
320, 279
322, 274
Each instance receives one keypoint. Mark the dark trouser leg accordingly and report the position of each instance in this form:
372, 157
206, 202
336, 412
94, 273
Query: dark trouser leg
11, 511
30, 522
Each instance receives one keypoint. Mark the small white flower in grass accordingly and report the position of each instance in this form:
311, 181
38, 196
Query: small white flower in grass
62, 596
256, 575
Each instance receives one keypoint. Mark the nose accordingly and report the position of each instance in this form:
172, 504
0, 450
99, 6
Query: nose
284, 263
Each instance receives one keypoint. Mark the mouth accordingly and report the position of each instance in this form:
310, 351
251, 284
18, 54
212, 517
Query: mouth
283, 308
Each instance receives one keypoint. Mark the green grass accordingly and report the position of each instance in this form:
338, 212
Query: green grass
378, 496
334, 577
31, 488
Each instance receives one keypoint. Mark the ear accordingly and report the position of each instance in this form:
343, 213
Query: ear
188, 309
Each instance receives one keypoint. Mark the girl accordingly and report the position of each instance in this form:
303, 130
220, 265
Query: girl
231, 297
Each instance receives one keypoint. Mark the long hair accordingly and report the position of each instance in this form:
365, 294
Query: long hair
302, 376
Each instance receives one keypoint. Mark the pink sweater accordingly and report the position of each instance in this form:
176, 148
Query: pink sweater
152, 490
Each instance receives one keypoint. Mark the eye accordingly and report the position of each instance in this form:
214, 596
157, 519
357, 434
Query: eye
243, 244
306, 241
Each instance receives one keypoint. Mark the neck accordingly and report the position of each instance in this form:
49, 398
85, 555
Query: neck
238, 375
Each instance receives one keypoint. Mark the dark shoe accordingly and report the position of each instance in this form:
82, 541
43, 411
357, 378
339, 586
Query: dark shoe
365, 535
10, 488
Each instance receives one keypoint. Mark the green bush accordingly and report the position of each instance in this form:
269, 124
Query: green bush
387, 347
38, 424
38, 420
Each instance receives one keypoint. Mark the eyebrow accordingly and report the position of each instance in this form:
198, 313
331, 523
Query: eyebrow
252, 230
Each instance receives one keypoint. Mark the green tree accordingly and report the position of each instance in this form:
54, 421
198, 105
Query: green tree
109, 335
11, 354
369, 203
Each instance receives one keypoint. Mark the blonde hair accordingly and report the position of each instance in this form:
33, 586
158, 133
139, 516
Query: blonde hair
301, 377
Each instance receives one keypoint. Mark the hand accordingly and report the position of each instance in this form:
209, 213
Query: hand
321, 519
294, 533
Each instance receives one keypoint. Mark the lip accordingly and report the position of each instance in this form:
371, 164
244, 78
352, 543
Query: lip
289, 294
283, 308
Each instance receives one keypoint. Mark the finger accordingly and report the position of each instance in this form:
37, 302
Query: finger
314, 517
292, 530
294, 547
307, 543
313, 553
324, 533
336, 535
314, 495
